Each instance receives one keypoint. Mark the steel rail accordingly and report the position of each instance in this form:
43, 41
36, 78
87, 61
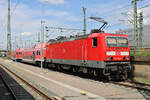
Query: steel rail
131, 86
34, 88
138, 83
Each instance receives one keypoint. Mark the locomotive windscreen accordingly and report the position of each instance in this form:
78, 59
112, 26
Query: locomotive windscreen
117, 41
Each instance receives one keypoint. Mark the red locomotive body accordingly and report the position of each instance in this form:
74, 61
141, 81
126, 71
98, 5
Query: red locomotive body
92, 49
98, 53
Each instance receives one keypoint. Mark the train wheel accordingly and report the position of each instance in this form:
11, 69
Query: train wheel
45, 64
125, 76
131, 73
39, 63
109, 78
95, 73
59, 67
85, 70
75, 69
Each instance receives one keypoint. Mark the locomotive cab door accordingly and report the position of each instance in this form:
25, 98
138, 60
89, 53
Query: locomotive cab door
92, 49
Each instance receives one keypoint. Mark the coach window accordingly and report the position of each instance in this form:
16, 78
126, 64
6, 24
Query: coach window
37, 52
94, 42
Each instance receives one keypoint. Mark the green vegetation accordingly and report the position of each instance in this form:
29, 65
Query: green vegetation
141, 53
142, 80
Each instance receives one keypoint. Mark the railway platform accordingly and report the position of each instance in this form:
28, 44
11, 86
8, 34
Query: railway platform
71, 87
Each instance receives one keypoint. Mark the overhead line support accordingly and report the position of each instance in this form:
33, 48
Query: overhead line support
8, 31
84, 25
136, 36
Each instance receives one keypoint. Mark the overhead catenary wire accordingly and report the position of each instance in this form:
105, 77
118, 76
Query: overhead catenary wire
15, 7
111, 12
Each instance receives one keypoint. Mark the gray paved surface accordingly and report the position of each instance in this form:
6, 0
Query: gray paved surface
70, 86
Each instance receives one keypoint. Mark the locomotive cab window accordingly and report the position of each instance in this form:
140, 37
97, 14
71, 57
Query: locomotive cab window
94, 42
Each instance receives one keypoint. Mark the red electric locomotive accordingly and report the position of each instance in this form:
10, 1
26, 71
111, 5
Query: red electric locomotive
100, 54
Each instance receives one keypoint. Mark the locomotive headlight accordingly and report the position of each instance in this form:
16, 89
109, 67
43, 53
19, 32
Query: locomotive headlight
108, 58
124, 53
127, 58
110, 53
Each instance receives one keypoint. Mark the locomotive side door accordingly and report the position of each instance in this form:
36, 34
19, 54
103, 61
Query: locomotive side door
84, 51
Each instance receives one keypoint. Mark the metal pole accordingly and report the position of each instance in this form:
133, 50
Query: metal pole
15, 47
8, 31
84, 26
46, 28
42, 35
135, 26
38, 37
141, 30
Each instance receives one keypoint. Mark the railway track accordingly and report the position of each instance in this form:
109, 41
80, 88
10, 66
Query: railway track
142, 62
133, 85
6, 92
142, 88
45, 96
12, 88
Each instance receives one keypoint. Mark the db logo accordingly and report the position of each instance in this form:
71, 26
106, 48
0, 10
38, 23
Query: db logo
64, 50
117, 53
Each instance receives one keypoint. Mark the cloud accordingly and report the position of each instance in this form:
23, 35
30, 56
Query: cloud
2, 1
66, 16
26, 21
25, 33
54, 2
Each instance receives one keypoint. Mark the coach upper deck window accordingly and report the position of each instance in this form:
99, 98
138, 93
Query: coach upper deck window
94, 42
37, 52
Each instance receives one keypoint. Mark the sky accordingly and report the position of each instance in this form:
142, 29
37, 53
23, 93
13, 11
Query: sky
26, 16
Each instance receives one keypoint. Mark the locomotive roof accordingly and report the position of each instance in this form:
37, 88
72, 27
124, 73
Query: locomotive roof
78, 37
71, 38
